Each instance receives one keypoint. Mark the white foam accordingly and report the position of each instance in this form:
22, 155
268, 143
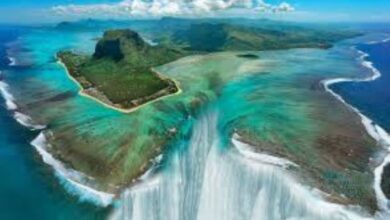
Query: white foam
12, 61
246, 150
23, 119
150, 172
9, 98
204, 182
374, 130
27, 121
150, 42
319, 207
72, 179
383, 202
380, 41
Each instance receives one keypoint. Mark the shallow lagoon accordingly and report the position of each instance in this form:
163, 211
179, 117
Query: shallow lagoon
275, 103
28, 187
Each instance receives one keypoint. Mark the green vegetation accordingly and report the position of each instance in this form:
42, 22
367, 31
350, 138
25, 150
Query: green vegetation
211, 37
270, 106
248, 56
119, 72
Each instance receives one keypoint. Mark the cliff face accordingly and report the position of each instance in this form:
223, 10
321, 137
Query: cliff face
129, 47
110, 49
115, 44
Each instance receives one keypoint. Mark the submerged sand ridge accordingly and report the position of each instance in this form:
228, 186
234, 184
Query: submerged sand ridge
263, 99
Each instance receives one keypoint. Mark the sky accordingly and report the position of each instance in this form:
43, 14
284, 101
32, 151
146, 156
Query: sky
45, 11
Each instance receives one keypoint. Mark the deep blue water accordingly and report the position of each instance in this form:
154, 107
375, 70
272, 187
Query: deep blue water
28, 188
7, 34
372, 98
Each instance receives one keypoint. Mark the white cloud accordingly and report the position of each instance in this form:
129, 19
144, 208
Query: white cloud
285, 7
155, 8
282, 7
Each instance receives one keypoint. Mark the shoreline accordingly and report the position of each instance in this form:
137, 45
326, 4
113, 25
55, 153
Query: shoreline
374, 130
126, 111
69, 178
11, 106
8, 97
65, 176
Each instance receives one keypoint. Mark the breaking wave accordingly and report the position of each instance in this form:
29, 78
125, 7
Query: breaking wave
12, 61
9, 98
71, 179
23, 119
373, 129
27, 121
381, 41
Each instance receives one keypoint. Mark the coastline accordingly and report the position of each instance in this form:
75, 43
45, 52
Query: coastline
126, 111
8, 97
71, 179
21, 118
68, 178
374, 130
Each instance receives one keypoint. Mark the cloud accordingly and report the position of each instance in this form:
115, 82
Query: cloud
282, 7
156, 8
285, 7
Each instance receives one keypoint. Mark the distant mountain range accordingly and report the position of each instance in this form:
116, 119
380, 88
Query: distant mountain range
119, 72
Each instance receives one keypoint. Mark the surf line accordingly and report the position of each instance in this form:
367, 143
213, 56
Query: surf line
72, 180
12, 61
373, 129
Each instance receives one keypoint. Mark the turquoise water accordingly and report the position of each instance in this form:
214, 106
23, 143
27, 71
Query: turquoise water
28, 188
277, 102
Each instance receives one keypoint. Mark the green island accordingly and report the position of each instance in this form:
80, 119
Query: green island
268, 96
120, 73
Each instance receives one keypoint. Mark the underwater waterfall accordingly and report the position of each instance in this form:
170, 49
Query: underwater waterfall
207, 182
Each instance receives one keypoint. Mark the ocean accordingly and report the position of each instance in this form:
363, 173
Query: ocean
28, 188
41, 87
372, 98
